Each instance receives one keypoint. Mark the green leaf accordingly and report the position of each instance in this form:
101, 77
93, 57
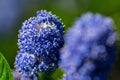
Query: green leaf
55, 75
5, 71
58, 74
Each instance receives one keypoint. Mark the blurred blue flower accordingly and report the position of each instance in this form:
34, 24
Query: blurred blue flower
40, 38
90, 48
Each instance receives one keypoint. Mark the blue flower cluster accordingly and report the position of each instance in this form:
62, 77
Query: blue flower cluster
27, 63
40, 39
90, 48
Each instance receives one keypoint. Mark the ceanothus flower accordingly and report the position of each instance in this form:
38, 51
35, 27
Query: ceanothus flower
90, 48
27, 63
40, 39
41, 35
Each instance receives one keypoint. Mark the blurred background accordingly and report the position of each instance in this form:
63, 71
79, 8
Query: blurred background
14, 12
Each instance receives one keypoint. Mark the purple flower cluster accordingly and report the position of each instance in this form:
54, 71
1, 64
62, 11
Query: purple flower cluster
90, 48
39, 41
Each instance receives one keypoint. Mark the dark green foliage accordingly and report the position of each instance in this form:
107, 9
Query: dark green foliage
56, 75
